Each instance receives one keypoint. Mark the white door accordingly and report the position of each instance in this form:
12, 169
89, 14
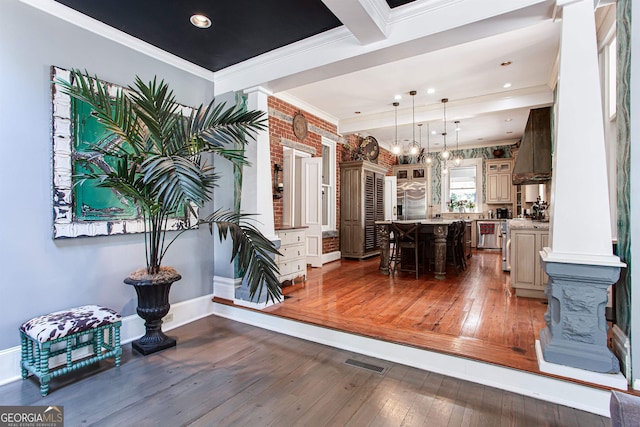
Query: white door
311, 215
390, 198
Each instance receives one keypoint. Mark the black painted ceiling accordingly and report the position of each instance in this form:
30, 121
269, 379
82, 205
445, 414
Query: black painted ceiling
241, 29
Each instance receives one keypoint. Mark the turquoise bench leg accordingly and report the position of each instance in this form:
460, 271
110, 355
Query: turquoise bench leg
117, 347
45, 347
26, 355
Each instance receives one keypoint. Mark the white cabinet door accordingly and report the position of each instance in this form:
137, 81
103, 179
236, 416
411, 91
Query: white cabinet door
390, 198
311, 215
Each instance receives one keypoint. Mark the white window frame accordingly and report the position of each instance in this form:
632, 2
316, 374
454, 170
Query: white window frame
330, 188
444, 197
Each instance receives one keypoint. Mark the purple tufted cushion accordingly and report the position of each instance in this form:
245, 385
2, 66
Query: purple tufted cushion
66, 322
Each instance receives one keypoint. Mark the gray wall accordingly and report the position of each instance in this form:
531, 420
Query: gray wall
38, 274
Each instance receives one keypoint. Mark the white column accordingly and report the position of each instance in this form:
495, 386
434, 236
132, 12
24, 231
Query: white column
256, 178
579, 231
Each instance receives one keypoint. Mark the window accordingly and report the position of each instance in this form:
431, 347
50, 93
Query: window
328, 185
463, 182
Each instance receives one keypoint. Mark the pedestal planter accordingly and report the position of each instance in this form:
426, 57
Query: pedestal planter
153, 305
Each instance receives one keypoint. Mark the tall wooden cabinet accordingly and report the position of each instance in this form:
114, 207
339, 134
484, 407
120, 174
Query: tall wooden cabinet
498, 180
361, 204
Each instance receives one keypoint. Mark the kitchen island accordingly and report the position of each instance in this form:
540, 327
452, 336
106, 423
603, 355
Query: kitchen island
438, 227
528, 238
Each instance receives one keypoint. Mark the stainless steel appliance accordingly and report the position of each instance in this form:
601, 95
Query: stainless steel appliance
412, 200
505, 232
502, 213
489, 236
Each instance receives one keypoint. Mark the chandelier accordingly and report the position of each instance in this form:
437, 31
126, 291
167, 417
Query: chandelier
427, 159
414, 147
445, 153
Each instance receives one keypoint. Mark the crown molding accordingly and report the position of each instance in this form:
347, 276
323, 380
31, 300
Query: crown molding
90, 24
290, 99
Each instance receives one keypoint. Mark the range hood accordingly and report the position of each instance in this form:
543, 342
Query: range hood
533, 163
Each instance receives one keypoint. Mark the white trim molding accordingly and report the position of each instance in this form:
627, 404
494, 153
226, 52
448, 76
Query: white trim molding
567, 393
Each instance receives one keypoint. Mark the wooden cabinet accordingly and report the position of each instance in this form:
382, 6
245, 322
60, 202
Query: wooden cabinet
361, 204
468, 241
293, 262
527, 274
498, 181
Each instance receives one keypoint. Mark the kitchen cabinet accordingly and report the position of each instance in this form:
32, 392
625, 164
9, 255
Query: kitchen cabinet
361, 204
527, 274
293, 262
498, 181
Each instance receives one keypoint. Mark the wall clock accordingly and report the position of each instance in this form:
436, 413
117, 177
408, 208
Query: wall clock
300, 126
371, 148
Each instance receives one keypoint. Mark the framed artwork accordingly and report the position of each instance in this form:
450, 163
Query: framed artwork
82, 208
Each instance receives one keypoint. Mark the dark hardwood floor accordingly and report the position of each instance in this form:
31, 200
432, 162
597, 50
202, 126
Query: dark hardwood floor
473, 314
224, 373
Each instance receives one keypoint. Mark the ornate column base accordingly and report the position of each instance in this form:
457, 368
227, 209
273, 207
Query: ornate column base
576, 332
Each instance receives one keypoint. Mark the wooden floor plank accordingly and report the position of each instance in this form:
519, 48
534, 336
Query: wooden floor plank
227, 373
473, 314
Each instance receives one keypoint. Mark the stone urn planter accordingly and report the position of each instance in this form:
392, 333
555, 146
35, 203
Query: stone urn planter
153, 305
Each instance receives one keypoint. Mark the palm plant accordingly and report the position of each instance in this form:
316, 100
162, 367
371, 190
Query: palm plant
153, 155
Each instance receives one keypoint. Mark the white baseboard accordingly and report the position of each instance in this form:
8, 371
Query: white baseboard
225, 287
331, 256
541, 387
132, 328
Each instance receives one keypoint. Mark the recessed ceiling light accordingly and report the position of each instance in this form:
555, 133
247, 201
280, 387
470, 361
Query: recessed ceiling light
431, 90
506, 63
200, 21
433, 132
507, 85
397, 97
507, 120
509, 132
480, 139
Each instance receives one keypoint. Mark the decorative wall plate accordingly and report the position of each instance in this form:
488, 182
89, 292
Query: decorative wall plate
371, 148
300, 126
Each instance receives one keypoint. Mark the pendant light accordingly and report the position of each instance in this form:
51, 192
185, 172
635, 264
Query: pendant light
458, 158
428, 159
413, 147
396, 147
420, 139
445, 153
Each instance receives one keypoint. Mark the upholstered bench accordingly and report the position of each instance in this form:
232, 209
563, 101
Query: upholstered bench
47, 336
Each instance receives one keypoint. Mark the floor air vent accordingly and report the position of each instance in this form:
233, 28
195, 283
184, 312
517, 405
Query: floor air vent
364, 365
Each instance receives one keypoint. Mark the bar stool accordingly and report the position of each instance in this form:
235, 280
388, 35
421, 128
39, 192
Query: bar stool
405, 238
455, 248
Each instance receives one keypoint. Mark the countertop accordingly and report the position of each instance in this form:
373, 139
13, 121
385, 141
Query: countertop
527, 224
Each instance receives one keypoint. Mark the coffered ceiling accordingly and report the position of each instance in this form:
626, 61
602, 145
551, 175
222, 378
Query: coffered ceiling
346, 60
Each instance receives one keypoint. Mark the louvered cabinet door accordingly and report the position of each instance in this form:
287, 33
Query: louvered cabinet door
369, 211
361, 205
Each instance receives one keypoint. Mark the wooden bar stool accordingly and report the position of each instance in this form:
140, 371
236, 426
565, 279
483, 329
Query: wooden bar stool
406, 240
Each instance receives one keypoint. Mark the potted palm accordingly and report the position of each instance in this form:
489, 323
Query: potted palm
153, 154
